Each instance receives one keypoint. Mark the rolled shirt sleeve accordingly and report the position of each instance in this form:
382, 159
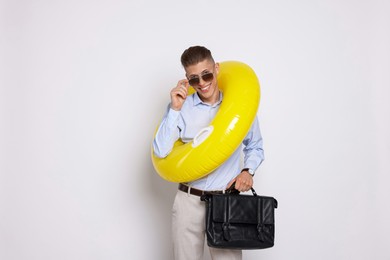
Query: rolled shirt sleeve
253, 147
167, 133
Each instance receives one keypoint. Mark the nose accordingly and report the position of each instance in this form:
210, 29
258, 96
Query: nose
201, 81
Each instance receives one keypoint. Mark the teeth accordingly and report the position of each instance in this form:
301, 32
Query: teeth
205, 88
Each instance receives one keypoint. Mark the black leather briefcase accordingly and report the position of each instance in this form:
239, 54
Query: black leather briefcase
236, 221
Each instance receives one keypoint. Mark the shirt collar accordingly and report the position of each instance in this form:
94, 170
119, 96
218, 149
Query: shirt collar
198, 101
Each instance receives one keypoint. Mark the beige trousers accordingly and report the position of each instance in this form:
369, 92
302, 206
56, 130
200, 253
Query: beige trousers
188, 230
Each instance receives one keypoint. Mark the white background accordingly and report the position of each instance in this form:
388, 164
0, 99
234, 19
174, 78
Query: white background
84, 84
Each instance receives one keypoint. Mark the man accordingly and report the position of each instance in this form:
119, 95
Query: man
186, 115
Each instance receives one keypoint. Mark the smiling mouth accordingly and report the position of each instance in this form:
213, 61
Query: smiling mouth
205, 88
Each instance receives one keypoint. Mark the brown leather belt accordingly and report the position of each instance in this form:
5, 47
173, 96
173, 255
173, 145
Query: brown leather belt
197, 192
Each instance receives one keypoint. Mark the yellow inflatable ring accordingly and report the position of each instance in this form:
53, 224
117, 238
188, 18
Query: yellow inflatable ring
217, 142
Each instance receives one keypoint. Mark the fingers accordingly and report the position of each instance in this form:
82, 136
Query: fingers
181, 91
244, 181
184, 83
230, 183
179, 94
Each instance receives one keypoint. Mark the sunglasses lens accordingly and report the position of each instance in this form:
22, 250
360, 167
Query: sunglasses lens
208, 77
194, 81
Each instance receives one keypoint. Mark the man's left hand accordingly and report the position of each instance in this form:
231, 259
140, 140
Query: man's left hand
244, 181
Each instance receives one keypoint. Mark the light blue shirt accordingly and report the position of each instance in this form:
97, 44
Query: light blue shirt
186, 123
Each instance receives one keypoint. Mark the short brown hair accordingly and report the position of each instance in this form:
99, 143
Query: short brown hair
194, 55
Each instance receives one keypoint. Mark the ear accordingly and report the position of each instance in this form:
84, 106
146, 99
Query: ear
217, 68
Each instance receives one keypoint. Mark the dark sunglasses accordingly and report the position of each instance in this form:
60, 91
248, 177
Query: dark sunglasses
207, 77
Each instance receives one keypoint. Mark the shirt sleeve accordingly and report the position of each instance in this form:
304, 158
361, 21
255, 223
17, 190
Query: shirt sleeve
253, 150
167, 133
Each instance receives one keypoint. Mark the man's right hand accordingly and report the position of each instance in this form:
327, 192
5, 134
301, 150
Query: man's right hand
179, 94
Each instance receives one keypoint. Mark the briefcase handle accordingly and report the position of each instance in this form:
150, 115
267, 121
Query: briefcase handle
232, 190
